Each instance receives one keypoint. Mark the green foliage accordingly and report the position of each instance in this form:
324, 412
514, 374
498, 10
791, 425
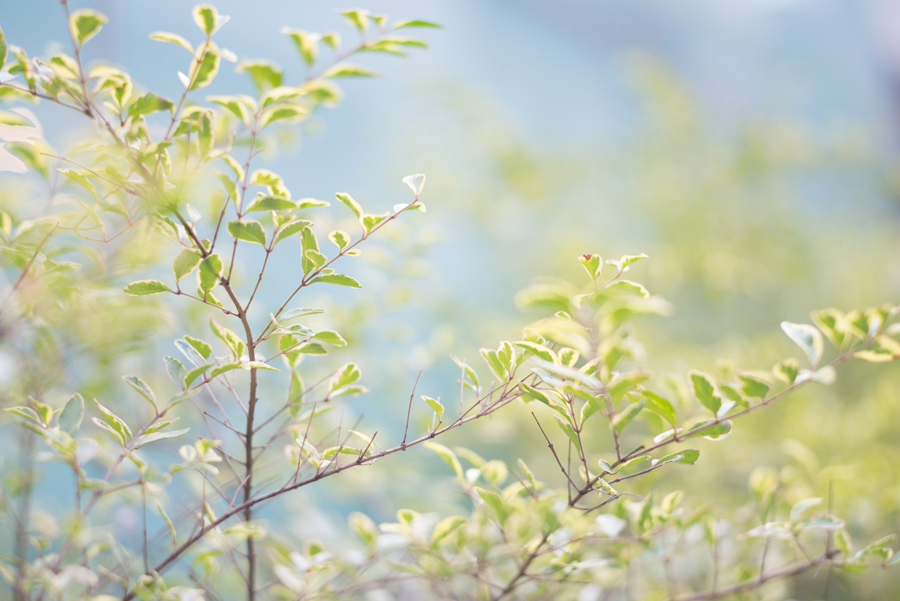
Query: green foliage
599, 513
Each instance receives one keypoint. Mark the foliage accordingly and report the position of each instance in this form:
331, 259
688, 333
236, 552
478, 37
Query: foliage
86, 287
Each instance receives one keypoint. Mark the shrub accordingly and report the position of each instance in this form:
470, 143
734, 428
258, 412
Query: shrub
157, 181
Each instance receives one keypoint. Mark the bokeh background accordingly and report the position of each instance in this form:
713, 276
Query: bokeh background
749, 147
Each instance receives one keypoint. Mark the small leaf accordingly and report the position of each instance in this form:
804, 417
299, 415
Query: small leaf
659, 406
145, 287
336, 278
250, 231
415, 182
348, 70
627, 415
210, 271
298, 312
753, 387
339, 238
494, 502
86, 23
149, 103
447, 455
204, 348
196, 373
186, 261
352, 204
331, 337
807, 338
141, 386
688, 456
416, 23
537, 350
704, 390
436, 405
787, 371
800, 507
80, 179
290, 229
271, 203
72, 414
445, 528
172, 38
207, 18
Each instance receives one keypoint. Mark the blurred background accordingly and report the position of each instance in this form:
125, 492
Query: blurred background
749, 147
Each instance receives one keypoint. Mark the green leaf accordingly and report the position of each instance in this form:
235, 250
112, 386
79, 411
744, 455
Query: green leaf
356, 17
593, 264
210, 271
345, 376
800, 507
15, 119
86, 23
336, 278
250, 231
660, 406
204, 348
416, 23
369, 221
31, 154
298, 312
688, 456
237, 108
308, 203
172, 38
625, 417
225, 368
176, 369
352, 204
290, 229
72, 414
569, 431
331, 337
168, 522
312, 348
447, 455
308, 242
265, 74
537, 350
147, 439
436, 405
271, 203
467, 369
115, 422
807, 338
186, 261
208, 18
753, 387
445, 528
306, 43
206, 69
142, 388
718, 431
145, 287
282, 111
349, 70
317, 258
149, 103
881, 350
339, 238
196, 373
80, 179
494, 503
787, 370
704, 390
4, 49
